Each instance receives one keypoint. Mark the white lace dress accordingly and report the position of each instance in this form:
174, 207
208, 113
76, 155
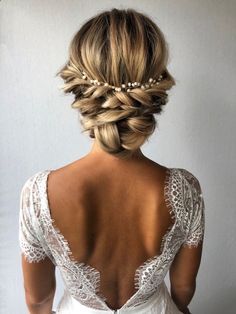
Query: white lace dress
39, 238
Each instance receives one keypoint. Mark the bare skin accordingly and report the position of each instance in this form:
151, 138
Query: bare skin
113, 214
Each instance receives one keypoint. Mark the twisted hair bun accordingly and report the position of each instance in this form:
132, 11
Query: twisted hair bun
118, 46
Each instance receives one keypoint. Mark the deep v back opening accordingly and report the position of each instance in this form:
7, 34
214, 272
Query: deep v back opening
91, 269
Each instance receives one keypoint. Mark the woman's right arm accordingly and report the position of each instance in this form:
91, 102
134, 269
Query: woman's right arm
183, 273
184, 268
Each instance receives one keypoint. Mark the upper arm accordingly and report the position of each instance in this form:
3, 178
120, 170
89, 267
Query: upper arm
39, 279
38, 269
185, 266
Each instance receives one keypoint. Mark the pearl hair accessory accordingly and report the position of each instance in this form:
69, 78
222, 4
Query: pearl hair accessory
124, 87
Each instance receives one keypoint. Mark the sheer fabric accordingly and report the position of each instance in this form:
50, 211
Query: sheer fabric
39, 238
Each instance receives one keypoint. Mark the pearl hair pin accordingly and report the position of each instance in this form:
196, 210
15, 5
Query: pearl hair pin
127, 87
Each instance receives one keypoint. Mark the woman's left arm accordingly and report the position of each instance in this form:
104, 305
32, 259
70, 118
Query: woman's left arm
37, 263
39, 285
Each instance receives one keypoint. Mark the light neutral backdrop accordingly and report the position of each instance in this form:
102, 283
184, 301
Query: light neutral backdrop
39, 130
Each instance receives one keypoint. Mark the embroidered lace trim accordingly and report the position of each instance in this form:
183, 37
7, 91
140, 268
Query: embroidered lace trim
29, 241
39, 238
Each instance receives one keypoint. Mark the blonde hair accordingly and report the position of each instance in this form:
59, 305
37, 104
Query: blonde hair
117, 47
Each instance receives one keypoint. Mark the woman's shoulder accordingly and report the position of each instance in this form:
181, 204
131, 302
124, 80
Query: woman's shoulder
29, 182
189, 177
184, 173
183, 186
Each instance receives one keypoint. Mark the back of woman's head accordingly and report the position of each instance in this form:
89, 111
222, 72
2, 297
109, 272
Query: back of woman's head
118, 47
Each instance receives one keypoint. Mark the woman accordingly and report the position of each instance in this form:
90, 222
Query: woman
114, 222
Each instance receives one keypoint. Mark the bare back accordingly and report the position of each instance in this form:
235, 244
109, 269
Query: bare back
113, 216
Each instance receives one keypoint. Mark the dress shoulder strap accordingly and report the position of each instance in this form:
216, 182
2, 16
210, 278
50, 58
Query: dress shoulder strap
193, 207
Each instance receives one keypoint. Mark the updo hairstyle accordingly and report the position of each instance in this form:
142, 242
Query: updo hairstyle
118, 47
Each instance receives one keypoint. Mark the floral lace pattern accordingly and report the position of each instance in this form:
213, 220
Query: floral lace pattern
40, 238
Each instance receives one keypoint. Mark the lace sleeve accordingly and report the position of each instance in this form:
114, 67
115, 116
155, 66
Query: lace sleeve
196, 210
28, 236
